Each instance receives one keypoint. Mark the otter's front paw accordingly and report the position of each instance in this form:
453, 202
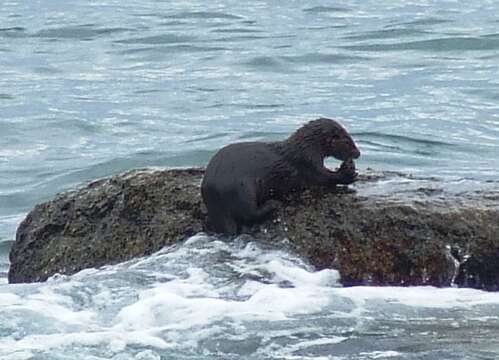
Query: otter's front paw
346, 174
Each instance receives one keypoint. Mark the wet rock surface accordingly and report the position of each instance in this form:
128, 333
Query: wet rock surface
417, 236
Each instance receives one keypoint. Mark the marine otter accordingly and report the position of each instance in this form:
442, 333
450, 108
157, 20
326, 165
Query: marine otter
243, 181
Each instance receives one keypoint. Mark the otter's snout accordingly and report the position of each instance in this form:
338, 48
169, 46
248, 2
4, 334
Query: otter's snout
345, 152
343, 148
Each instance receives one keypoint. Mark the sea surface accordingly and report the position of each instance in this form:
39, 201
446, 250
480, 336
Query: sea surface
91, 88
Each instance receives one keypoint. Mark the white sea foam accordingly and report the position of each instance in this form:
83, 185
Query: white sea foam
380, 354
422, 296
32, 151
209, 296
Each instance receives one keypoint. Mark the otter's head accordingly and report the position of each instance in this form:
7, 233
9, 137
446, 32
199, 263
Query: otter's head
331, 137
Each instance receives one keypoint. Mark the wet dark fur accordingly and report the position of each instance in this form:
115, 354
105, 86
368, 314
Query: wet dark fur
243, 180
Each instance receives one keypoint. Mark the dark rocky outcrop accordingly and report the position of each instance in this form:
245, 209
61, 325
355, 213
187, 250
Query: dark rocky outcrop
109, 221
421, 237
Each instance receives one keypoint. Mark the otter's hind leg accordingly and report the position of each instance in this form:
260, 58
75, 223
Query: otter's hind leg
246, 210
222, 223
219, 217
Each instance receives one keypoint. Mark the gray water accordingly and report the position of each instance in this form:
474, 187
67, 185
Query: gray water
92, 88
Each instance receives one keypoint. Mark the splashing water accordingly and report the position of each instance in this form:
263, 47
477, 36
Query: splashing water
213, 298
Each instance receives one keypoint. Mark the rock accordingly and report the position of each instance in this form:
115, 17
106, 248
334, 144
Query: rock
109, 221
420, 236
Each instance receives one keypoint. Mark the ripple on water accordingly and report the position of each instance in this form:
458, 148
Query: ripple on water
401, 138
268, 63
208, 137
204, 15
241, 38
160, 53
434, 45
237, 30
6, 97
158, 39
325, 9
13, 32
323, 58
386, 34
79, 32
427, 21
262, 136
411, 147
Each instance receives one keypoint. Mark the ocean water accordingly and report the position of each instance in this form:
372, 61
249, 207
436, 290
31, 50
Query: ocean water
92, 88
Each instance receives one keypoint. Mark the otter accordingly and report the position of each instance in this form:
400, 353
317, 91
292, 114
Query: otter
243, 182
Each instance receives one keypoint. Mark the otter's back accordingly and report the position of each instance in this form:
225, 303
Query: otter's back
240, 161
